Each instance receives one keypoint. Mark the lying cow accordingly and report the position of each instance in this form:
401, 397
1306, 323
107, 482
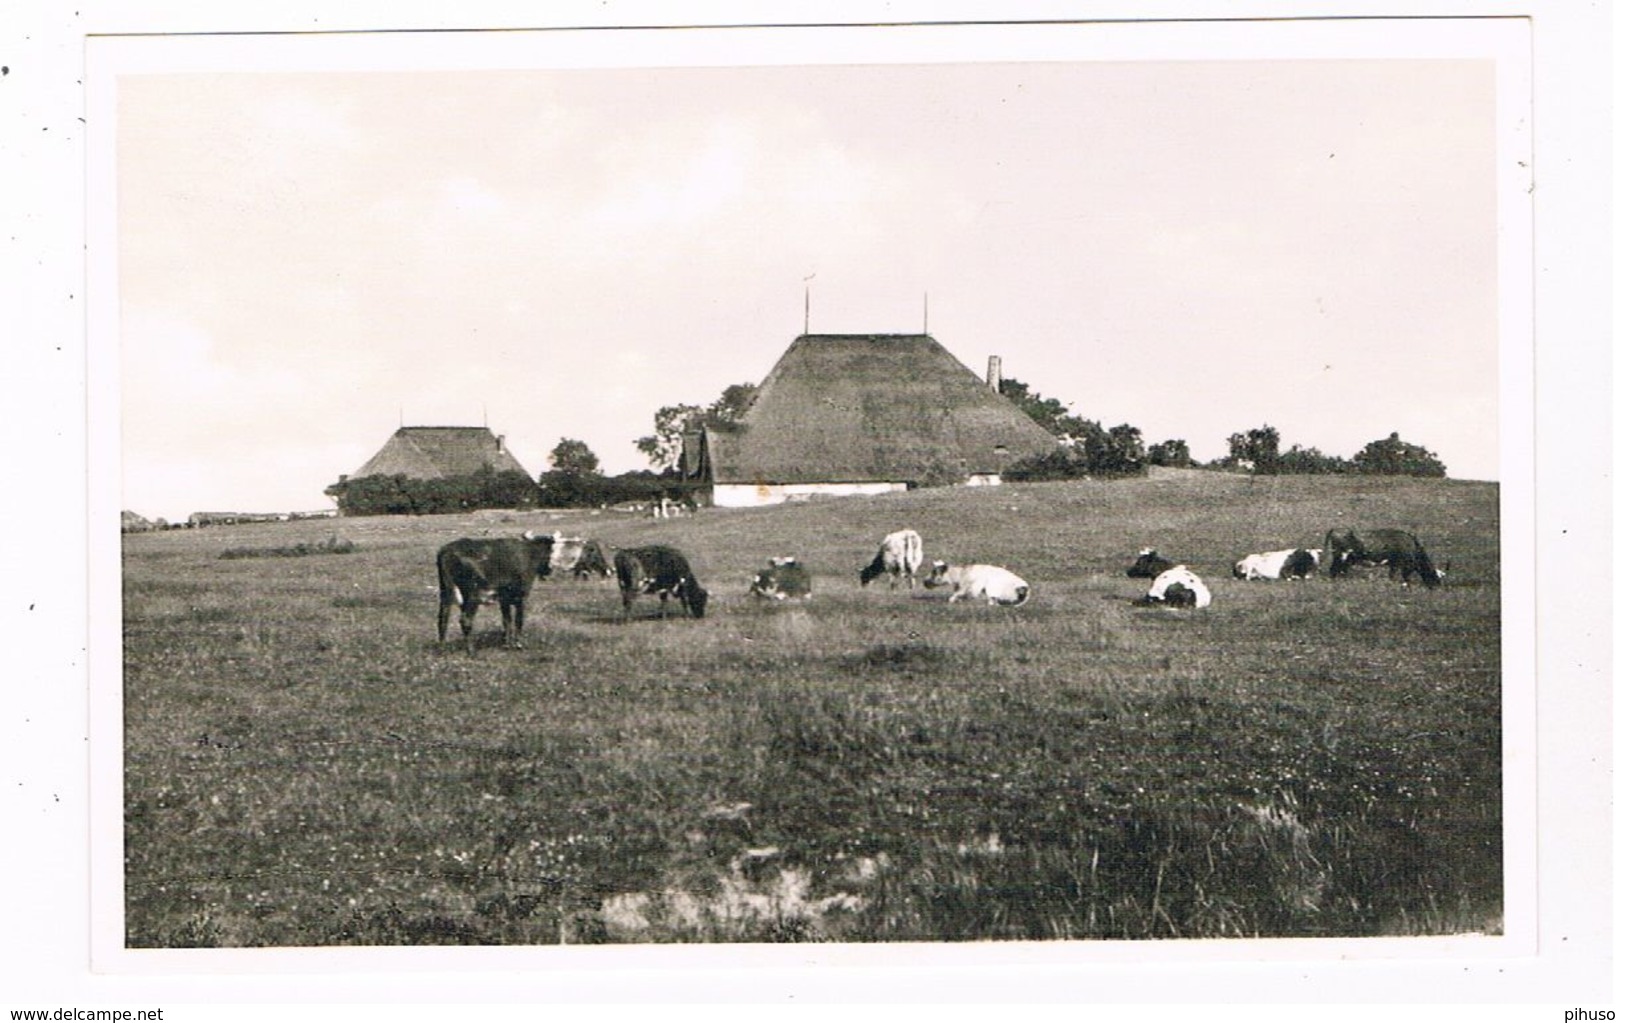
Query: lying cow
1292, 563
1149, 564
979, 582
660, 570
1402, 552
900, 556
472, 571
783, 579
1177, 587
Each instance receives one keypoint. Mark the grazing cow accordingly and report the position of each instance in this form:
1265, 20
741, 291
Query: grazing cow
1178, 587
783, 578
660, 570
1402, 552
1292, 563
900, 556
1149, 564
594, 560
471, 571
980, 582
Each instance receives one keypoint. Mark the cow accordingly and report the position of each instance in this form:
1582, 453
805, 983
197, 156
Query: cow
980, 582
1149, 564
594, 561
1292, 563
900, 556
783, 578
660, 570
1177, 587
472, 571
1402, 552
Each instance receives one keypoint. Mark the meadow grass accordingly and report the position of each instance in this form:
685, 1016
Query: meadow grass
305, 765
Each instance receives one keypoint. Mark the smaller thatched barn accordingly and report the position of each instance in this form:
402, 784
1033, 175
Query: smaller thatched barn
440, 452
864, 414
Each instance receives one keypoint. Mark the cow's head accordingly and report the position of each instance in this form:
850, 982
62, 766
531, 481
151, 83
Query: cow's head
1149, 564
1179, 595
939, 574
694, 597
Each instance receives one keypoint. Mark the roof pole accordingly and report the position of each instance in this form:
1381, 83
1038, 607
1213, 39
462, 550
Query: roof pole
925, 320
806, 304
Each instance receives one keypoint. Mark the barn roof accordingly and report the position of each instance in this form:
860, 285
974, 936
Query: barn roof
872, 407
436, 452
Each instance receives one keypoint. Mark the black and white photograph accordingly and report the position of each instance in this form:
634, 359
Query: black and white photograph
1036, 493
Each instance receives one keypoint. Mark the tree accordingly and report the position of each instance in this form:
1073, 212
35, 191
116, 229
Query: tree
1394, 457
1310, 462
1049, 413
1175, 453
1259, 448
664, 447
573, 456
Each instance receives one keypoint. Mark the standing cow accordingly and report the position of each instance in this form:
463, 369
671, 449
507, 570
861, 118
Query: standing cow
980, 582
900, 556
660, 570
594, 561
1402, 552
471, 571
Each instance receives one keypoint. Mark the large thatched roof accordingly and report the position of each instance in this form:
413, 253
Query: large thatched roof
436, 452
843, 408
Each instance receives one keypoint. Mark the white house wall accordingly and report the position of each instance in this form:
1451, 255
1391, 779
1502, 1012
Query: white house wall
752, 495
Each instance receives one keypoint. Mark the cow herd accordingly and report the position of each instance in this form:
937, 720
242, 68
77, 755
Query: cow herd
473, 572
1401, 552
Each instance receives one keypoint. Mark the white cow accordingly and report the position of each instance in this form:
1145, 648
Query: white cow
900, 555
980, 582
1292, 563
1179, 587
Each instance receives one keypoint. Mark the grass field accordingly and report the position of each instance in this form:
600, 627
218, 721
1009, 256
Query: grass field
304, 765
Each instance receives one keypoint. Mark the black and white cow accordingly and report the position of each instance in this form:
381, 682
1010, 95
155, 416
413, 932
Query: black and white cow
472, 571
783, 579
660, 570
1149, 564
1292, 563
900, 556
1177, 587
1402, 552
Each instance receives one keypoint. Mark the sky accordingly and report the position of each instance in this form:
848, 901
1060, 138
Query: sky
308, 260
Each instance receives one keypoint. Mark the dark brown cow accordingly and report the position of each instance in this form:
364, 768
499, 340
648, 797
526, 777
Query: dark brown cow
472, 571
660, 570
1402, 552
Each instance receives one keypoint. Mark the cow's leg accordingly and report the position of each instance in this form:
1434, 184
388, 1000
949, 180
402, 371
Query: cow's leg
508, 638
446, 603
471, 607
519, 624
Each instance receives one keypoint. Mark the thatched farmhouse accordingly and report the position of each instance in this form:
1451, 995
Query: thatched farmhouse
440, 452
864, 414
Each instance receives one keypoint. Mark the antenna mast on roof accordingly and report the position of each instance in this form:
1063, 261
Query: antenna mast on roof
806, 303
925, 319
484, 419
403, 417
